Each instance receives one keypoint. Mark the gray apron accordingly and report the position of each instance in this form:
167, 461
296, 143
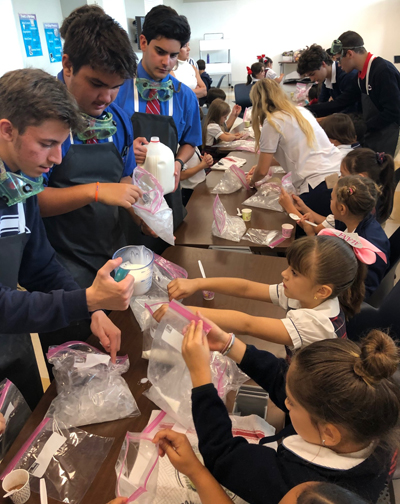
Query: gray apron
383, 140
86, 238
162, 126
17, 357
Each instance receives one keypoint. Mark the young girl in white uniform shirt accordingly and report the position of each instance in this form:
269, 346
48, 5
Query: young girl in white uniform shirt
292, 138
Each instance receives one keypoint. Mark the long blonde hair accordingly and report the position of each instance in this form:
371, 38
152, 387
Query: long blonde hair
217, 109
267, 98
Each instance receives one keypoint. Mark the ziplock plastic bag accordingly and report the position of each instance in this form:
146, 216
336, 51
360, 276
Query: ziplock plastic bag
247, 114
68, 459
169, 375
248, 145
165, 271
90, 387
137, 465
226, 226
152, 207
301, 93
261, 236
15, 411
287, 183
233, 179
267, 196
227, 162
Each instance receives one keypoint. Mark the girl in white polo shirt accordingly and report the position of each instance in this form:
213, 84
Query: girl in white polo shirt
291, 137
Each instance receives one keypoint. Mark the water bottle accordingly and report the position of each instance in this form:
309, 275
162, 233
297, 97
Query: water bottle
208, 58
160, 162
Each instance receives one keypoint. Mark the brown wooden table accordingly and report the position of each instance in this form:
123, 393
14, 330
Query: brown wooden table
195, 230
216, 263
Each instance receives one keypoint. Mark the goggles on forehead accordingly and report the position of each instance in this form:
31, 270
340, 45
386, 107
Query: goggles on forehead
17, 188
98, 127
164, 91
337, 47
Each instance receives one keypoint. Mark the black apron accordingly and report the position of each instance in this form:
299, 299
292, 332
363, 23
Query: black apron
17, 357
383, 140
86, 238
162, 126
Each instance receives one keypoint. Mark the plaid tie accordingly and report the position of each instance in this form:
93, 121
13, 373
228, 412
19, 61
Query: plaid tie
153, 106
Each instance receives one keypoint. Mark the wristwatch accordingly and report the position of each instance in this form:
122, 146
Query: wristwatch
180, 162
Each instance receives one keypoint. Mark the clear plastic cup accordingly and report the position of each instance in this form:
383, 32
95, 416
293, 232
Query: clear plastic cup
18, 479
137, 260
246, 214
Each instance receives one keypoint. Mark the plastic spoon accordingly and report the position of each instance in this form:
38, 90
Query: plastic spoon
239, 212
9, 493
43, 491
297, 218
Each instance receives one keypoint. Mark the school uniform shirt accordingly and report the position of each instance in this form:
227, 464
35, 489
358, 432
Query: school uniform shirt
270, 74
259, 474
370, 229
53, 299
123, 139
336, 85
214, 131
384, 91
344, 149
186, 74
308, 165
198, 177
186, 113
306, 325
206, 79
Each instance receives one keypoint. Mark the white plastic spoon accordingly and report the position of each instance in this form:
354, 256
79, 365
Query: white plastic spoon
9, 493
239, 212
297, 218
43, 491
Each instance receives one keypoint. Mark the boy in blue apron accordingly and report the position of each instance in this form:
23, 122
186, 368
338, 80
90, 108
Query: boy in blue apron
378, 86
160, 105
81, 202
36, 114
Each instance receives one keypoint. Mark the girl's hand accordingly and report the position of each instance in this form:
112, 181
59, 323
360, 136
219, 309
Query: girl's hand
236, 109
208, 159
286, 201
2, 424
217, 338
196, 354
299, 204
159, 314
308, 229
177, 448
119, 500
181, 288
250, 173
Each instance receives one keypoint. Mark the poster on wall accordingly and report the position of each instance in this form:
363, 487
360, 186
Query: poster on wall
30, 35
53, 39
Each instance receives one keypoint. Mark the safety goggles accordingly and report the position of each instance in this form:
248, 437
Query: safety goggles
17, 188
150, 90
337, 47
98, 127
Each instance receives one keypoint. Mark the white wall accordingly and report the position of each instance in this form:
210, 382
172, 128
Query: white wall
11, 57
256, 27
48, 11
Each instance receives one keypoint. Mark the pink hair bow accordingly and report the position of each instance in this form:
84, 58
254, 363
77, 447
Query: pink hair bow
364, 250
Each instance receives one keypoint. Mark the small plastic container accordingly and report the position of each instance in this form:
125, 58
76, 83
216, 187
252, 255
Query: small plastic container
287, 230
247, 124
208, 295
18, 479
137, 260
246, 214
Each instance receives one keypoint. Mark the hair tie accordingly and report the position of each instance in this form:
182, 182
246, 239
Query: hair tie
351, 190
249, 72
364, 250
359, 371
380, 157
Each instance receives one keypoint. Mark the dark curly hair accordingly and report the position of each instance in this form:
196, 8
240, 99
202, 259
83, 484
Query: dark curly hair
312, 58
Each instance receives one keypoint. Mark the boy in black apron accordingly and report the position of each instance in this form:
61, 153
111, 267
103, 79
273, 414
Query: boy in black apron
84, 192
36, 114
159, 105
378, 84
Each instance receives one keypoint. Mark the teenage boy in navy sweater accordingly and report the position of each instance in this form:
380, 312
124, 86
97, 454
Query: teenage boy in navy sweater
36, 114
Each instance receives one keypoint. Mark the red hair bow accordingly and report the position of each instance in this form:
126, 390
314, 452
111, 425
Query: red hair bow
364, 250
249, 72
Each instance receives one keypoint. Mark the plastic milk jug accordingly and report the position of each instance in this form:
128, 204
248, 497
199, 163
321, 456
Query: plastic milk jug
160, 162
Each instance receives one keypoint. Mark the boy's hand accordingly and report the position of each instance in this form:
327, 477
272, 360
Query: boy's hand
123, 195
208, 160
160, 312
140, 150
196, 354
181, 288
177, 448
107, 332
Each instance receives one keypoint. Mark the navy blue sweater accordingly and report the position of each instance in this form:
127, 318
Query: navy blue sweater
53, 299
260, 474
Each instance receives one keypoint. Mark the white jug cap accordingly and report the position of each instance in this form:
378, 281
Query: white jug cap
154, 139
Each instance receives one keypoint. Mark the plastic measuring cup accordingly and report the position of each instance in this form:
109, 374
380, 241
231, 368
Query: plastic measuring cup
137, 260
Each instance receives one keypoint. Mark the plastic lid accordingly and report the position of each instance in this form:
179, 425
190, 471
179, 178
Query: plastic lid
154, 139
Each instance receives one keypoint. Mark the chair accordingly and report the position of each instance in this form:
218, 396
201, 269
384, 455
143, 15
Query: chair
242, 98
220, 81
387, 282
386, 317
